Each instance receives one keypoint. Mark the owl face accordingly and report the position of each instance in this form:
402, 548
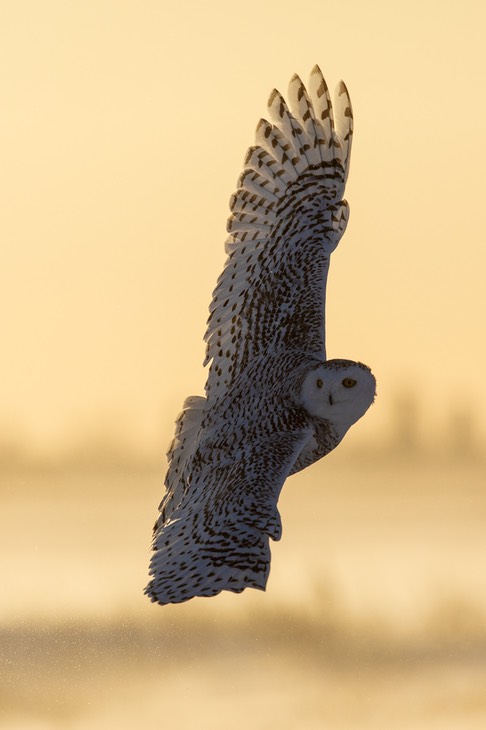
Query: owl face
340, 391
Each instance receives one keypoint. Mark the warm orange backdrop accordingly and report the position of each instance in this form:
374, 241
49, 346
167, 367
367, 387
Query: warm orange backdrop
122, 131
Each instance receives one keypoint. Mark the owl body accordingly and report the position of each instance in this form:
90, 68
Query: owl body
273, 403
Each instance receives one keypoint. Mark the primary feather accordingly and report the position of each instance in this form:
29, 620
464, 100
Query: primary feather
273, 405
287, 217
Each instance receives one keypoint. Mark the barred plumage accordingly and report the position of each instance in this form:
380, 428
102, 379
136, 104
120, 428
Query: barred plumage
273, 403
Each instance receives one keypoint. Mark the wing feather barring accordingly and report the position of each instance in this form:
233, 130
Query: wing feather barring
273, 403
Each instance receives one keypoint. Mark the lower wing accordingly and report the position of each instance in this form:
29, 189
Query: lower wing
217, 538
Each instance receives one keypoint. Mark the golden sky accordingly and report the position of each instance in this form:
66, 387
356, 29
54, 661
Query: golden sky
123, 128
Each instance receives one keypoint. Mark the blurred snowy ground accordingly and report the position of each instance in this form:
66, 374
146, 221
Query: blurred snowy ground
374, 615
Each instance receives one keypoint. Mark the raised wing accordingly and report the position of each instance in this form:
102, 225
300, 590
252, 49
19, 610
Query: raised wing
217, 537
287, 217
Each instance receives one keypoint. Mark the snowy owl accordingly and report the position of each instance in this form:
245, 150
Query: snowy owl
273, 403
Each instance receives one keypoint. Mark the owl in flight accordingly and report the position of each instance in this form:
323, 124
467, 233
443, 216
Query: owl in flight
273, 403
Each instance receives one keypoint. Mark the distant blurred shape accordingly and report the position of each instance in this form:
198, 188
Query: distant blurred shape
461, 437
405, 437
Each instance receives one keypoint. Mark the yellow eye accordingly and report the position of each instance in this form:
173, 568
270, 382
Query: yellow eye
349, 382
319, 383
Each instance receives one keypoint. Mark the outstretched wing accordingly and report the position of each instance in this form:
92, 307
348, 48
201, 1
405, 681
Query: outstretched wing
287, 217
217, 537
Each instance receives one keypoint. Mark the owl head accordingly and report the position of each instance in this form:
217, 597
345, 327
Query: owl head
340, 391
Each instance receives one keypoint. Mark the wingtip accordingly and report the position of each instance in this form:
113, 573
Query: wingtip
294, 78
271, 97
341, 88
342, 91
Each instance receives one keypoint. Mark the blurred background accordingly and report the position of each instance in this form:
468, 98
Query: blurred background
123, 128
